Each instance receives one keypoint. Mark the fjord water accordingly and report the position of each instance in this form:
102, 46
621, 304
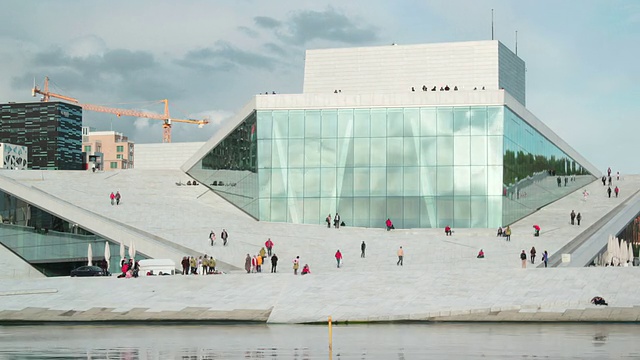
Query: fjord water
374, 341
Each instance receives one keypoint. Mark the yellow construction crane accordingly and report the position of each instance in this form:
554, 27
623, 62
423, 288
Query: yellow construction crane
166, 125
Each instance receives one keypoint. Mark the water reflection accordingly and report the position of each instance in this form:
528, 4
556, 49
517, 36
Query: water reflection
299, 342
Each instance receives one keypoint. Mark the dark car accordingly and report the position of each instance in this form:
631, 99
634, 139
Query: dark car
88, 271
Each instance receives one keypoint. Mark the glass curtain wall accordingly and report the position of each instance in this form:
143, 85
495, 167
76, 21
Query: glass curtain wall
230, 168
536, 172
420, 167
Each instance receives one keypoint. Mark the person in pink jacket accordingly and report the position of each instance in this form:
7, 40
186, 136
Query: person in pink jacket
338, 257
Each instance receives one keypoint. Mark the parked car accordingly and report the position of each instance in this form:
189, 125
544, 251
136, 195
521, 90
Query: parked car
88, 271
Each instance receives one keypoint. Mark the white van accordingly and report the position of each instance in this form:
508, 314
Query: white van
157, 266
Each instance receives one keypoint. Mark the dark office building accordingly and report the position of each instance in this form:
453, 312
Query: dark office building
52, 132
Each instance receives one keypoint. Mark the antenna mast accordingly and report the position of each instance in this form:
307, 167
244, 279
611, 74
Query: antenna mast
491, 24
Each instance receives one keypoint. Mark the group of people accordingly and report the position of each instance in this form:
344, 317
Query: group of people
224, 235
575, 217
254, 264
336, 221
129, 268
532, 253
505, 232
442, 88
115, 198
202, 265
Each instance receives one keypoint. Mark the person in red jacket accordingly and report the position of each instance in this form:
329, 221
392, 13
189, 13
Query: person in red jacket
268, 244
305, 270
338, 257
447, 230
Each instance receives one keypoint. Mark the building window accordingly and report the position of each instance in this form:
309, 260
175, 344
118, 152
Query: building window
119, 148
114, 165
119, 156
87, 148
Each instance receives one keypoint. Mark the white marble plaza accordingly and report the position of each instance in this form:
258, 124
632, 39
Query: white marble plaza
441, 278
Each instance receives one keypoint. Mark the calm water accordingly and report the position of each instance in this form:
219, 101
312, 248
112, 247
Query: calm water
380, 341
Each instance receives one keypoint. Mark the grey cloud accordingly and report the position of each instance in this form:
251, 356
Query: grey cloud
132, 75
116, 61
225, 56
305, 26
278, 50
266, 22
247, 31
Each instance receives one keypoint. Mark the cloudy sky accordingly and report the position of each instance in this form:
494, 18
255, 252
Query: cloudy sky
209, 57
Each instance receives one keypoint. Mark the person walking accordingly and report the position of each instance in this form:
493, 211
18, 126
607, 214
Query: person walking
112, 197
507, 233
328, 220
247, 263
296, 265
523, 257
336, 221
363, 247
224, 237
609, 191
338, 257
118, 196
269, 245
400, 257
573, 216
212, 237
274, 263
545, 258
578, 217
616, 190
533, 254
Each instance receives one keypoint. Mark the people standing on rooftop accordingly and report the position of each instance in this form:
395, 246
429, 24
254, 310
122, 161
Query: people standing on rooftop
112, 197
585, 195
604, 180
545, 258
247, 263
274, 263
338, 257
269, 245
413, 89
336, 221
578, 218
573, 216
616, 190
328, 220
400, 257
205, 265
507, 233
617, 175
118, 197
523, 257
559, 180
224, 237
193, 263
363, 247
254, 264
610, 181
609, 171
212, 237
609, 191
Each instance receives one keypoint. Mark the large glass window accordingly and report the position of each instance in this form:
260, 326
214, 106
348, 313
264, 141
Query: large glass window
478, 166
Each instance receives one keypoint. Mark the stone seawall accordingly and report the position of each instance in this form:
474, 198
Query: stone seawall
402, 295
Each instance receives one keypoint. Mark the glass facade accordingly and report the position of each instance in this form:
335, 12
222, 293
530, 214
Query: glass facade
536, 172
50, 244
421, 167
